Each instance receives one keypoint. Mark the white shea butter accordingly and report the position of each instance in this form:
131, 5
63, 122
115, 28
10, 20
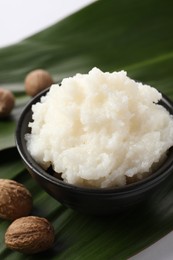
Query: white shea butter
100, 129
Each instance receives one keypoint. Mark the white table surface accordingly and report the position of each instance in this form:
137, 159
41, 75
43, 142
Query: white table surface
19, 19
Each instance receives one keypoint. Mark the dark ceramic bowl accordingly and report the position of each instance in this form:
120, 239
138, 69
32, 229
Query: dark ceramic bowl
97, 201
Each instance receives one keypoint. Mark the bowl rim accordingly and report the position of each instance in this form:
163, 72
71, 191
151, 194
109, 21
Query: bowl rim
151, 180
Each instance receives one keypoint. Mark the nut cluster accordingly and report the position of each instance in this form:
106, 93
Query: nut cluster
35, 81
26, 234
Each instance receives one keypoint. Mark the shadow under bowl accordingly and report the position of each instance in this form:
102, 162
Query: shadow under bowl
95, 201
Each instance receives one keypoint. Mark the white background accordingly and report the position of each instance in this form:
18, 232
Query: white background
22, 18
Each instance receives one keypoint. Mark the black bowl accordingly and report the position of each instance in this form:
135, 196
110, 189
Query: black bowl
97, 201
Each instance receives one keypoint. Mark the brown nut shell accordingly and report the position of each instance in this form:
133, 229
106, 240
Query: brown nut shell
30, 235
15, 200
7, 102
36, 81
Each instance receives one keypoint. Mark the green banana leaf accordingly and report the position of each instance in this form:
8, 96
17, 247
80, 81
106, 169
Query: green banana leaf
131, 35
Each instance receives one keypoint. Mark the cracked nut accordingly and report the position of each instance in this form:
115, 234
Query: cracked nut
30, 235
15, 200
